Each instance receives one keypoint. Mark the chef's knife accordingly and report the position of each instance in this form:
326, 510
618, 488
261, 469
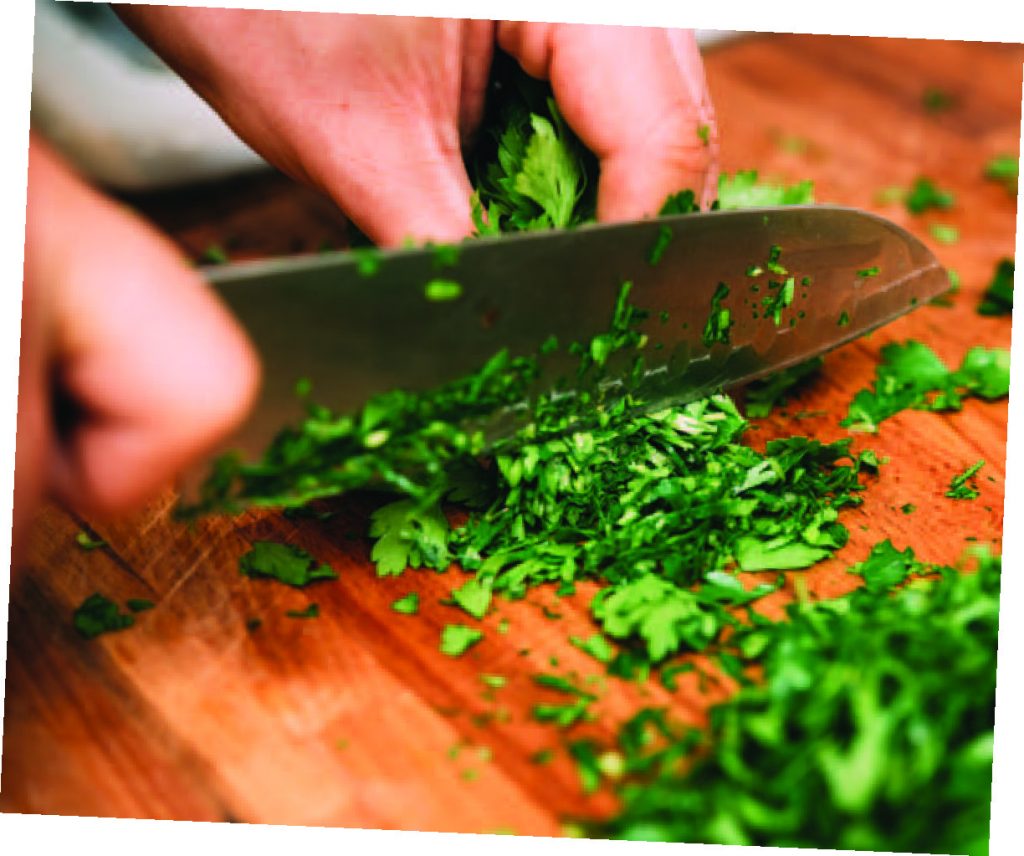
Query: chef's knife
352, 332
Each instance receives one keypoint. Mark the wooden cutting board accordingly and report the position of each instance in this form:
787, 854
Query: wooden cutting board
355, 718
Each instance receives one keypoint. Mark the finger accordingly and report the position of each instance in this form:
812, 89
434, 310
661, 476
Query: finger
477, 53
158, 371
639, 108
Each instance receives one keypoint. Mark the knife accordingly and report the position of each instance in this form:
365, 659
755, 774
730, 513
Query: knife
352, 335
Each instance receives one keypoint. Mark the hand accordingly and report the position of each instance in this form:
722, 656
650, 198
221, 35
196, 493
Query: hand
119, 330
375, 110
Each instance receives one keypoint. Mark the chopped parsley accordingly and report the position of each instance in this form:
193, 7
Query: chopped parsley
944, 234
456, 639
912, 376
924, 194
719, 320
998, 297
441, 290
311, 611
285, 563
407, 605
762, 396
87, 542
1006, 170
964, 485
98, 614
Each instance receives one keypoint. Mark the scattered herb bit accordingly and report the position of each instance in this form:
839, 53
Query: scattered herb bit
311, 611
494, 681
474, 596
367, 260
214, 254
446, 255
440, 290
661, 243
964, 485
456, 639
252, 624
908, 508
936, 100
585, 754
704, 134
504, 625
597, 646
684, 202
542, 756
139, 604
944, 234
871, 271
844, 319
407, 605
285, 563
1004, 169
98, 614
408, 535
719, 320
924, 194
743, 190
87, 542
998, 297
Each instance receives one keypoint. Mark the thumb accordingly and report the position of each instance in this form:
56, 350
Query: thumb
153, 369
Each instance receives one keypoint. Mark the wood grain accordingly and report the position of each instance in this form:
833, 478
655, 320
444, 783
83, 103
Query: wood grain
355, 718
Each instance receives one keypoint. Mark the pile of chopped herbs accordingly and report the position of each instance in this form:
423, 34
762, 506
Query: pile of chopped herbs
871, 727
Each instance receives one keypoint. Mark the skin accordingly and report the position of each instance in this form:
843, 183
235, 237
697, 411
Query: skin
375, 112
115, 320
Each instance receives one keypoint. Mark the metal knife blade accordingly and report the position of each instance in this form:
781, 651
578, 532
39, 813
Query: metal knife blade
353, 335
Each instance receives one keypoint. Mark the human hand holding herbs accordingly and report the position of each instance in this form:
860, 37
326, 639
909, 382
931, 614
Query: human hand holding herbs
375, 111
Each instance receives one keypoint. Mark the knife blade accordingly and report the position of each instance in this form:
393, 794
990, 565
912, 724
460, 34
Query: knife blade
322, 319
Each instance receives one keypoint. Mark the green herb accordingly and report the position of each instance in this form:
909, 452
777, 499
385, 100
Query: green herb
408, 536
368, 260
563, 715
660, 244
912, 376
719, 320
998, 297
597, 646
925, 194
456, 639
214, 254
1004, 169
585, 754
542, 756
871, 729
908, 508
473, 596
87, 542
139, 604
704, 134
944, 234
98, 614
844, 319
408, 605
285, 563
440, 290
936, 100
253, 624
871, 271
964, 485
494, 681
743, 190
311, 611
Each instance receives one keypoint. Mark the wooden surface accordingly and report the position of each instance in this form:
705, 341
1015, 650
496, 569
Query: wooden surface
349, 719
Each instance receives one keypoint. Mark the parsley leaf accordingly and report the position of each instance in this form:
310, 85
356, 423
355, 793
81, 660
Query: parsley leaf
99, 614
407, 605
456, 639
286, 563
998, 297
964, 485
408, 536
